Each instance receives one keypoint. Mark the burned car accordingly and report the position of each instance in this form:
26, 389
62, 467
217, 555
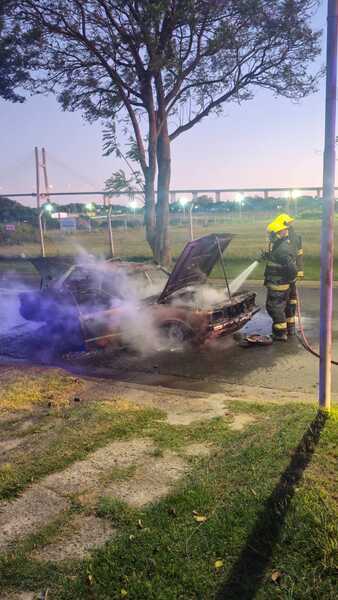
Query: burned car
116, 302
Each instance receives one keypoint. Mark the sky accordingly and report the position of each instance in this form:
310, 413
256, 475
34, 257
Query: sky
266, 142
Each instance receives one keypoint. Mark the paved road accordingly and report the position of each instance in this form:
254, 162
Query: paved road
285, 366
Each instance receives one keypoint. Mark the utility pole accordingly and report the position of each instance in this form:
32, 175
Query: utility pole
44, 168
37, 172
327, 233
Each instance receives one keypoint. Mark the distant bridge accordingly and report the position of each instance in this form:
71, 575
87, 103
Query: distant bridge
290, 192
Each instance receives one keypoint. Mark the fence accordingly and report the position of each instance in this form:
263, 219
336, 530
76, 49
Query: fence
128, 234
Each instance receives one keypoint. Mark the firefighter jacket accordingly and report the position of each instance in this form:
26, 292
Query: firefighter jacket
280, 270
297, 246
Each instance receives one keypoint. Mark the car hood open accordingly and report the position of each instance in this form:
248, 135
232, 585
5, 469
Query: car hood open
52, 267
196, 262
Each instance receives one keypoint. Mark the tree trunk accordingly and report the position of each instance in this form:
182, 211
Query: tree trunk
162, 246
150, 174
150, 211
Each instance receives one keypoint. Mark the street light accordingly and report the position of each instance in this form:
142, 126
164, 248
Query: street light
45, 208
239, 199
133, 204
296, 194
89, 206
183, 202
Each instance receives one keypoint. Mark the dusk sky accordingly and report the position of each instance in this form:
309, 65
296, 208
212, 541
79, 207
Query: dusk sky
263, 142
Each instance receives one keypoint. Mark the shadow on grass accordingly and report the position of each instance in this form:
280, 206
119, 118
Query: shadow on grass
247, 573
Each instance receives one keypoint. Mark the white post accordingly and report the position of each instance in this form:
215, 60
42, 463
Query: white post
327, 233
42, 240
110, 230
37, 174
191, 222
44, 168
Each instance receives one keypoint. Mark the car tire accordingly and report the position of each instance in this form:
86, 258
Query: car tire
176, 332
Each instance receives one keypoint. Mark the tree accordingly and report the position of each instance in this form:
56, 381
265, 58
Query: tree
15, 60
119, 182
14, 212
161, 66
204, 201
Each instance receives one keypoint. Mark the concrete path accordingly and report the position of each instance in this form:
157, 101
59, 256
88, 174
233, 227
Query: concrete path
89, 480
132, 471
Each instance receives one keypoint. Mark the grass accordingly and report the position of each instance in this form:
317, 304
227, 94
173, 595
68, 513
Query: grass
64, 435
66, 438
269, 503
22, 391
250, 239
174, 557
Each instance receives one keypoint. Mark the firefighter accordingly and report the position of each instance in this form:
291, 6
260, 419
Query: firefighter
280, 273
296, 242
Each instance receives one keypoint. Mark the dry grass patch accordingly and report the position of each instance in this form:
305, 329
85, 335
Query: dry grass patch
82, 534
24, 390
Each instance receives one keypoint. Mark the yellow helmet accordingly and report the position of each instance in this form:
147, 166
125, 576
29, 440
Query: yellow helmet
276, 226
286, 219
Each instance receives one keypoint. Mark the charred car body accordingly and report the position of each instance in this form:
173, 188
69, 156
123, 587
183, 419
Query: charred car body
101, 304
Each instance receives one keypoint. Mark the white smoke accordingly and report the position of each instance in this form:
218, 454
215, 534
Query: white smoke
125, 311
115, 301
200, 297
206, 296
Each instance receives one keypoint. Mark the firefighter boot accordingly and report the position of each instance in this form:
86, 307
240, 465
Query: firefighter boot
280, 332
280, 336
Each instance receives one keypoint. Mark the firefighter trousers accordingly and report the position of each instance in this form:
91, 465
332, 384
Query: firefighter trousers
276, 306
291, 309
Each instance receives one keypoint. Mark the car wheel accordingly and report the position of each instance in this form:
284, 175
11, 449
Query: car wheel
176, 333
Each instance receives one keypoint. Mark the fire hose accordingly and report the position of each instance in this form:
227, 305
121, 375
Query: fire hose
301, 334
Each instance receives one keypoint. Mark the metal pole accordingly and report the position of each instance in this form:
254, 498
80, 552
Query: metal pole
44, 168
327, 233
42, 240
191, 223
111, 239
37, 172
